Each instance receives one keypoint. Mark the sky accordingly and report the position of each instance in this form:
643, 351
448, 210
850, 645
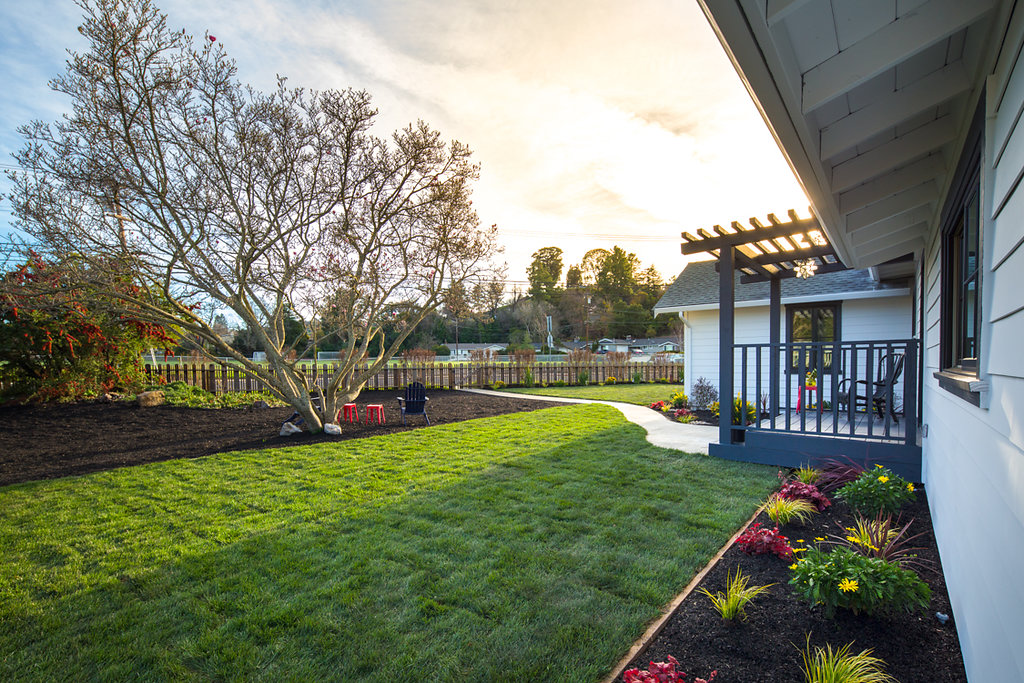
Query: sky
596, 123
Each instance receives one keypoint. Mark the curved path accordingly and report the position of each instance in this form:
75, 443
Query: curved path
662, 432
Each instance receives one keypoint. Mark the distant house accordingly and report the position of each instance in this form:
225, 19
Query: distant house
851, 305
465, 350
638, 345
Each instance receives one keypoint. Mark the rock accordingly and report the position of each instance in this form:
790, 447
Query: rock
148, 399
260, 404
288, 429
332, 429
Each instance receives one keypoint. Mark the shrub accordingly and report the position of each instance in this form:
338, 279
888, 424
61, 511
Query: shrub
638, 377
679, 400
847, 579
713, 407
658, 405
807, 475
527, 378
810, 492
703, 394
558, 383
609, 380
679, 413
825, 666
180, 394
688, 418
442, 350
758, 540
662, 380
583, 378
785, 510
498, 384
733, 601
882, 538
661, 672
877, 490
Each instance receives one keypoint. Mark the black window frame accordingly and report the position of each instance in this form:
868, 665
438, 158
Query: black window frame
810, 362
961, 278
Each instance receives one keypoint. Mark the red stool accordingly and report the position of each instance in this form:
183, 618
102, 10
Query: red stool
810, 391
351, 412
375, 411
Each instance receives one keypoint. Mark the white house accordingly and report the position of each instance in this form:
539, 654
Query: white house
464, 350
851, 305
902, 121
638, 345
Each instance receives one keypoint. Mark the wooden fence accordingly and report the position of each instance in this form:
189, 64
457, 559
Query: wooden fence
219, 379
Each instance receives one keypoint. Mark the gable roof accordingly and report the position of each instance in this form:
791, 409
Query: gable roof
696, 288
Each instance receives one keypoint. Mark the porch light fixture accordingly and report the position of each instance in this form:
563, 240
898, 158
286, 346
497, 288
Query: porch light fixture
805, 268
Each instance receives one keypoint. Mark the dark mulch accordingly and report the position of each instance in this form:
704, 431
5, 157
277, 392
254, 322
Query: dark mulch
916, 647
50, 441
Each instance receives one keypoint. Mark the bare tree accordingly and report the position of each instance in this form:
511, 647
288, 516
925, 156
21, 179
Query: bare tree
211, 194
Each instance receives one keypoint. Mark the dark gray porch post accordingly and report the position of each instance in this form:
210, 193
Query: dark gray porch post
774, 325
726, 336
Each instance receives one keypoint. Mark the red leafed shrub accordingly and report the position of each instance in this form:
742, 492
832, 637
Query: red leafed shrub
798, 489
662, 672
658, 405
760, 541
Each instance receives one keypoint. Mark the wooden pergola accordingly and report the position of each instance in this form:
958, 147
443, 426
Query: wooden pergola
761, 252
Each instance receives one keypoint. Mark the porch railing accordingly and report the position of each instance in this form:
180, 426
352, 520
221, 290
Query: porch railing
863, 389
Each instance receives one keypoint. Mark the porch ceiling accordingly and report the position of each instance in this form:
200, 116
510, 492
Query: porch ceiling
869, 101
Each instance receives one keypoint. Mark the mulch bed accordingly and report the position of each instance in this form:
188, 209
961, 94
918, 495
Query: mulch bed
915, 647
50, 441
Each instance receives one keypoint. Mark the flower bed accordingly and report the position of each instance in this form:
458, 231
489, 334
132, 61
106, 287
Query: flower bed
780, 624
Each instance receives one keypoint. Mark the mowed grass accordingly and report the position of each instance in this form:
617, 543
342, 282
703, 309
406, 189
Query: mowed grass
638, 394
530, 547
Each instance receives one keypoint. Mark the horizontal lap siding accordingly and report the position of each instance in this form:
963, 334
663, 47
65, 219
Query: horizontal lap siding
974, 457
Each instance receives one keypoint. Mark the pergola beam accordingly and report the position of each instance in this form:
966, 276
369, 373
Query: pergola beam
787, 273
699, 246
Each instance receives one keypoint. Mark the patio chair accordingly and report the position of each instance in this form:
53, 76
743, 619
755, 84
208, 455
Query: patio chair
890, 368
415, 401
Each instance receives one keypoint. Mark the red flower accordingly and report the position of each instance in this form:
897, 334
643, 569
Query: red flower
213, 39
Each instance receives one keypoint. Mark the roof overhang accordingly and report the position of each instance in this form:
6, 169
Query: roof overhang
869, 103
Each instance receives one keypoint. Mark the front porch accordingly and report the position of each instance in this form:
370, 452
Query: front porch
809, 402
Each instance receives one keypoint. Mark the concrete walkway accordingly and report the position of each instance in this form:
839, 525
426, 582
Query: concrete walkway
661, 431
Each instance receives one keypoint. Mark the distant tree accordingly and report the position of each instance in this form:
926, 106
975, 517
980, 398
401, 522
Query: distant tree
573, 278
259, 203
591, 265
544, 273
458, 305
616, 280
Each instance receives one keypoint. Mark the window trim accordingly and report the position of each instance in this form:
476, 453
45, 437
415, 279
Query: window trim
965, 190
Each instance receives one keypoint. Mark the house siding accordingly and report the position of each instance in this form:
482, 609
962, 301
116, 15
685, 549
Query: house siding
974, 456
880, 318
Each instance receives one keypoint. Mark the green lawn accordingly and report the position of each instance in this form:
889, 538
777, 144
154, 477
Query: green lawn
529, 547
639, 394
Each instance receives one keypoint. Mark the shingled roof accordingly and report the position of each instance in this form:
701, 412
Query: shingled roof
697, 285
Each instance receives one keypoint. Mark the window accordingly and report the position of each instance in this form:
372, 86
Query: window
812, 323
961, 261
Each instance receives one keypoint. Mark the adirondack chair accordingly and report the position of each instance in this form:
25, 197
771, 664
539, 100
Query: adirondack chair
415, 401
890, 368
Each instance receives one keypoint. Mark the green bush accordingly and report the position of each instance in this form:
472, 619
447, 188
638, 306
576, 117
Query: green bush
527, 379
610, 381
185, 395
737, 411
498, 385
442, 350
877, 490
638, 377
822, 665
558, 383
583, 378
846, 579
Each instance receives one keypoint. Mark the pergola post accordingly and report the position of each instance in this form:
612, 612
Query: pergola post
726, 338
774, 330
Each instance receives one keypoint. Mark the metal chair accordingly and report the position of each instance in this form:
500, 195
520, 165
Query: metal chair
890, 368
415, 401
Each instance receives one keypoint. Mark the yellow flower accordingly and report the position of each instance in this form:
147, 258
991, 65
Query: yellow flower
883, 479
853, 539
793, 566
800, 540
818, 538
878, 466
910, 487
799, 550
848, 586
